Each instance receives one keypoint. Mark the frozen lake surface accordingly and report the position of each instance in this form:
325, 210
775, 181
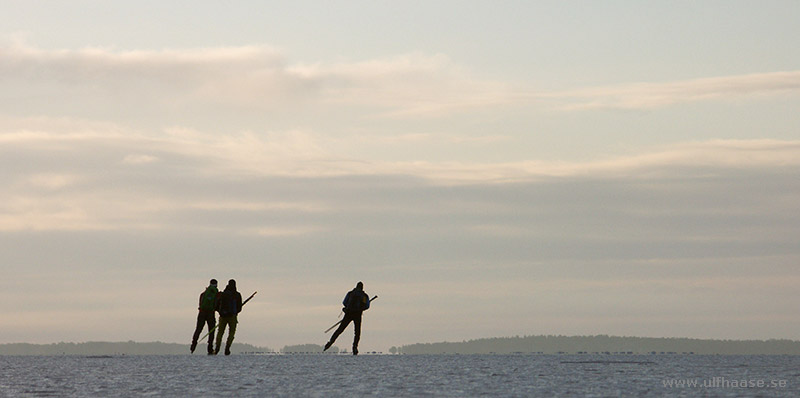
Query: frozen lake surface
400, 376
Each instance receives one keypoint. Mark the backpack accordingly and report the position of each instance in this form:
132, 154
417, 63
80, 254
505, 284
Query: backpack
209, 300
357, 301
227, 304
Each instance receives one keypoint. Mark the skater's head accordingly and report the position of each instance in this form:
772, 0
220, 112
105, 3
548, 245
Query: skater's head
360, 286
213, 282
231, 285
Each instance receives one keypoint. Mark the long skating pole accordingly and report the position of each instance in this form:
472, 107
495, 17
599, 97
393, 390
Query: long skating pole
215, 327
337, 323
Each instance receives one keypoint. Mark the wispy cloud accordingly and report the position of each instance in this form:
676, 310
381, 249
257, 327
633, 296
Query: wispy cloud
273, 209
262, 78
655, 95
58, 178
297, 153
249, 76
108, 64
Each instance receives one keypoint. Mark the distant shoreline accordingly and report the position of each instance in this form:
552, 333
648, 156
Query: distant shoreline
92, 348
540, 344
604, 344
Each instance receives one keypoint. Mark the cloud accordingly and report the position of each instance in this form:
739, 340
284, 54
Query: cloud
171, 67
66, 145
70, 177
573, 243
409, 84
139, 159
683, 158
248, 76
579, 247
248, 80
656, 95
52, 181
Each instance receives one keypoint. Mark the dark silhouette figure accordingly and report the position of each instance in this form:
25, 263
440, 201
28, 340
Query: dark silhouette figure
355, 303
229, 306
206, 316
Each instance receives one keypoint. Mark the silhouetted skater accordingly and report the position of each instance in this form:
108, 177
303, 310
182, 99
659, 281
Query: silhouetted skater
355, 303
229, 306
206, 316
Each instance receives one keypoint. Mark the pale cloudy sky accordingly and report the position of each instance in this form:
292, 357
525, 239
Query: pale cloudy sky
486, 168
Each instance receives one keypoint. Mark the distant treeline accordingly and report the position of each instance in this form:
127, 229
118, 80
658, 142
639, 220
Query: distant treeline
307, 349
115, 348
604, 344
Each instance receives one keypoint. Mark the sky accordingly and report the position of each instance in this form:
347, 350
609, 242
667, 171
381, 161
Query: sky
486, 168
